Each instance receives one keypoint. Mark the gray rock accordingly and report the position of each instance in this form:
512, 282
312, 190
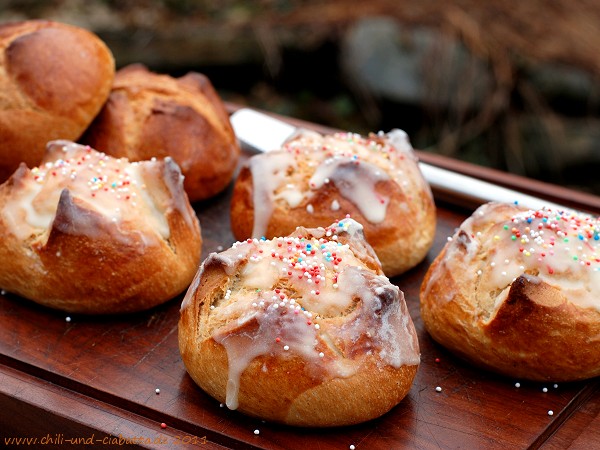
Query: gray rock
416, 65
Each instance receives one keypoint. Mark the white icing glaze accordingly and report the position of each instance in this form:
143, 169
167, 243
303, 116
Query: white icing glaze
559, 248
355, 182
242, 348
268, 172
399, 139
290, 286
112, 187
355, 165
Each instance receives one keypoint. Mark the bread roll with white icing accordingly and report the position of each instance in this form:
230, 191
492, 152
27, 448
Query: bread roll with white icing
315, 179
87, 233
517, 291
303, 330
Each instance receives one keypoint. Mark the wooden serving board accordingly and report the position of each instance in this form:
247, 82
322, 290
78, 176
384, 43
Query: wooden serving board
90, 382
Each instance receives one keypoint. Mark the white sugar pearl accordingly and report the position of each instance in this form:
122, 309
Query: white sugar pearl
517, 385
545, 389
257, 432
157, 390
438, 389
550, 413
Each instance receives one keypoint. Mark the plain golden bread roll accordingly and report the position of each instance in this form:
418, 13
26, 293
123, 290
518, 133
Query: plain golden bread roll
517, 291
303, 330
54, 78
155, 115
314, 179
87, 233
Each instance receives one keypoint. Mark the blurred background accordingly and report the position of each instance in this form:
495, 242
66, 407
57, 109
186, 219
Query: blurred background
504, 84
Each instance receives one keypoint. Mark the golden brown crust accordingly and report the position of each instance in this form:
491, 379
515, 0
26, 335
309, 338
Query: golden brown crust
347, 362
74, 256
54, 78
152, 115
539, 325
401, 240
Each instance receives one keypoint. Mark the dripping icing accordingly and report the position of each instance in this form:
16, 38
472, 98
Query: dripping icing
327, 278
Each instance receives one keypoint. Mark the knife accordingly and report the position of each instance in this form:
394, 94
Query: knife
262, 133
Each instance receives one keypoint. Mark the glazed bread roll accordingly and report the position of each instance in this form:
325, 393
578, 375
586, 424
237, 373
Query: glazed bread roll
517, 291
316, 178
303, 330
54, 78
87, 233
153, 115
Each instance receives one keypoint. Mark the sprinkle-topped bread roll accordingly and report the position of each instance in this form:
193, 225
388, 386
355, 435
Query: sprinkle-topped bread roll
88, 233
155, 115
54, 78
303, 330
517, 291
314, 179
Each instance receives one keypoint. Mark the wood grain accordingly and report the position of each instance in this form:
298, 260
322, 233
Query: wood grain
99, 375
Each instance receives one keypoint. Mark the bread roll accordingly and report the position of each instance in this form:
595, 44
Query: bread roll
87, 233
153, 115
315, 179
54, 78
517, 291
303, 330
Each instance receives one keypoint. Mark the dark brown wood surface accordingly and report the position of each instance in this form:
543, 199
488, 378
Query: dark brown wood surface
95, 379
